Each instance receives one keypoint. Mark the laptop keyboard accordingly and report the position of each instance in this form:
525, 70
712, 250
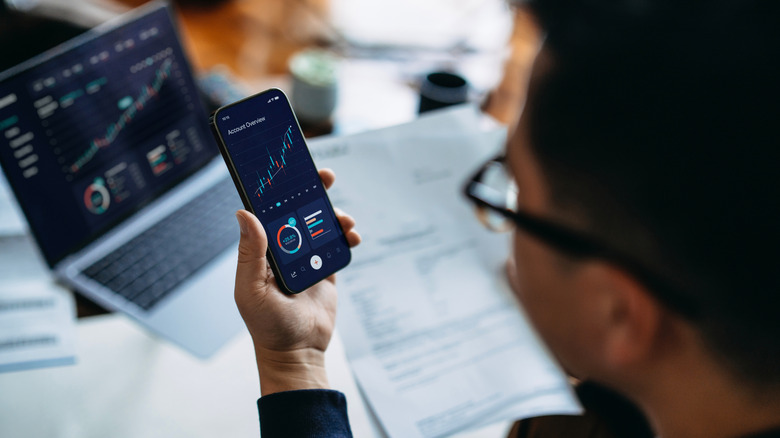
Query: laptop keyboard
147, 268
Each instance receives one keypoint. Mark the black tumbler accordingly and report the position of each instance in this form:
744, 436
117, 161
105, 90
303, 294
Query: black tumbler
442, 89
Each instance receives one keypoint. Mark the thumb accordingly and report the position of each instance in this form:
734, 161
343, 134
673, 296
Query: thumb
253, 243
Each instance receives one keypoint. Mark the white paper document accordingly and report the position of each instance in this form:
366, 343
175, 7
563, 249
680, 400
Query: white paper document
11, 219
433, 335
37, 326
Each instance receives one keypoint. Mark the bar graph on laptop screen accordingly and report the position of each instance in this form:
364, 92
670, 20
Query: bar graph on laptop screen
98, 127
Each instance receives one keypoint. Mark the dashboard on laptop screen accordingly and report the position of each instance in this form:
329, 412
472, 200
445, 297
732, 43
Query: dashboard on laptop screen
98, 127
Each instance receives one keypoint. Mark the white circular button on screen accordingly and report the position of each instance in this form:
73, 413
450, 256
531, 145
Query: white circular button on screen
316, 262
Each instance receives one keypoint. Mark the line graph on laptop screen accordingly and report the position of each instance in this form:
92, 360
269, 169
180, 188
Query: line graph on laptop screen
99, 127
128, 110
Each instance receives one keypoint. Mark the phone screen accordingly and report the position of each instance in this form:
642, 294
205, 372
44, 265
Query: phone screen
277, 178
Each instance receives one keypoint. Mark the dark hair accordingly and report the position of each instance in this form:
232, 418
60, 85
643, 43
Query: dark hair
657, 125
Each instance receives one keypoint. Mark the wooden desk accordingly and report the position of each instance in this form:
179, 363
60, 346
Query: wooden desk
255, 38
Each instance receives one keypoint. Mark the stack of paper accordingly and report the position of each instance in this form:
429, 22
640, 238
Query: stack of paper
434, 337
37, 326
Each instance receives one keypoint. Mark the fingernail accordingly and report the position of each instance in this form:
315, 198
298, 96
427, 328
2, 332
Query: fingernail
241, 223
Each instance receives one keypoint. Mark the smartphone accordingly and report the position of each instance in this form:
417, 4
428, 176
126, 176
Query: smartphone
262, 144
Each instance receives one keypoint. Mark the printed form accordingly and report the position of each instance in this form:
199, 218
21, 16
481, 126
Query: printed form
434, 336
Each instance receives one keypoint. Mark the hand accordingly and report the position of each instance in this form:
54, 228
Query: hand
290, 332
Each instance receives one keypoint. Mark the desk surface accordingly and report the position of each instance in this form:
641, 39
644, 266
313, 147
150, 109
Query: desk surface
128, 383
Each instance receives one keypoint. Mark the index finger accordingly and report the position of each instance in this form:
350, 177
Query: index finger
328, 177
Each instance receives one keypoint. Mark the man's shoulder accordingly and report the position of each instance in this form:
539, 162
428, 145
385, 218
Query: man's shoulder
607, 415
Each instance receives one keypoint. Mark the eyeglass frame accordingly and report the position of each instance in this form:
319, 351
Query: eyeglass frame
577, 244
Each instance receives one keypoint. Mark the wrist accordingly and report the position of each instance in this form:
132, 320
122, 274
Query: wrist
291, 370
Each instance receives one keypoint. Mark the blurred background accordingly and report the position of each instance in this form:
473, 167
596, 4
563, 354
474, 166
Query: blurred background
379, 52
384, 48
370, 57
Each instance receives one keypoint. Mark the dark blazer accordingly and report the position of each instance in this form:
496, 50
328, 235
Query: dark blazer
323, 413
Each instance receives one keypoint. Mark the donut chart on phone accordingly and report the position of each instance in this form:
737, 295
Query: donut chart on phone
289, 239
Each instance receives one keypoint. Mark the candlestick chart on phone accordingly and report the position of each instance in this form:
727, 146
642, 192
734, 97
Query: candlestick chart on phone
277, 169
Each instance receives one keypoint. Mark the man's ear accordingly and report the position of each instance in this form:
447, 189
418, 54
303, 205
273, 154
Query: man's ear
631, 328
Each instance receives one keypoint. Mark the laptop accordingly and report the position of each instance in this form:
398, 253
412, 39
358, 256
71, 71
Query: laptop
105, 144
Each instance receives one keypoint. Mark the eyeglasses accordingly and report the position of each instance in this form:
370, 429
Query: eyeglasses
494, 193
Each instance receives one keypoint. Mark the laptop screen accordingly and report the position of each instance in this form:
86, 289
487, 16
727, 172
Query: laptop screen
94, 129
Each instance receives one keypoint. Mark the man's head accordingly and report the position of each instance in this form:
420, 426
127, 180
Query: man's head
652, 127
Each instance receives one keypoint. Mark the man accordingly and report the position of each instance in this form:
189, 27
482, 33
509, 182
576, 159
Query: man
644, 170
